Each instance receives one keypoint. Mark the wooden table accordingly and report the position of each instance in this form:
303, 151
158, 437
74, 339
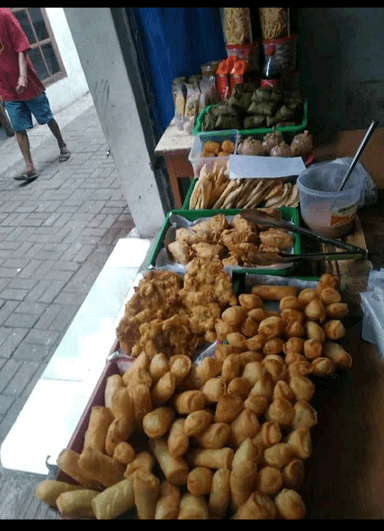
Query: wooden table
345, 474
175, 146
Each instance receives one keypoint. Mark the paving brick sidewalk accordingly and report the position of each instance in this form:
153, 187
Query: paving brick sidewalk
56, 233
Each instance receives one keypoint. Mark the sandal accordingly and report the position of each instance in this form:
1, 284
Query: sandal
27, 176
64, 154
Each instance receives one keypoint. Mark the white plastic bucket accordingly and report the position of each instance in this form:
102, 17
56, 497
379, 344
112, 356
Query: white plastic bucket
322, 207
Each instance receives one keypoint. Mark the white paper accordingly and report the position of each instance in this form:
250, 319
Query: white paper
253, 167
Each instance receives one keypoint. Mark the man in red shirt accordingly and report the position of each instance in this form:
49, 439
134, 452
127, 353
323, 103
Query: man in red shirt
22, 91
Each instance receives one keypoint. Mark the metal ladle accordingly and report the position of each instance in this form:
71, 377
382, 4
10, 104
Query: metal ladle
358, 153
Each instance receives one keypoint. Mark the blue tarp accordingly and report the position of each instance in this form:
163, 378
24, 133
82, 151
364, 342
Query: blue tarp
176, 41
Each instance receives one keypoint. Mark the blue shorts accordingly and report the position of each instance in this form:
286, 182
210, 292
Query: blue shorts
20, 112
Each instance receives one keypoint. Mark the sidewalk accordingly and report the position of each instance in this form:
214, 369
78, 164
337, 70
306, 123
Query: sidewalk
56, 234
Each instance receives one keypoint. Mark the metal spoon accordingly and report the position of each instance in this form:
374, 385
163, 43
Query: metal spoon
358, 153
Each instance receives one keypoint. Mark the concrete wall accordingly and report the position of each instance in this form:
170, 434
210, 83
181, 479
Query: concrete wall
95, 37
341, 55
65, 91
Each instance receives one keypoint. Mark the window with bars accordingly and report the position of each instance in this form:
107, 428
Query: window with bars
44, 53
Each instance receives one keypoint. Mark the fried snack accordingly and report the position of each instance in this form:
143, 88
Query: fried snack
276, 238
179, 366
290, 505
185, 235
315, 311
245, 425
300, 441
124, 453
300, 367
141, 400
322, 367
239, 386
140, 365
237, 340
113, 382
263, 387
258, 506
274, 364
312, 348
100, 467
119, 431
99, 422
305, 415
250, 301
211, 458
330, 296
213, 389
68, 462
234, 315
146, 489
199, 481
230, 368
307, 295
336, 310
163, 390
202, 372
249, 327
282, 412
178, 440
273, 292
167, 505
279, 455
269, 435
294, 344
326, 281
334, 329
273, 346
48, 490
115, 500
181, 252
214, 436
253, 371
193, 508
336, 353
272, 327
197, 422
158, 367
220, 494
76, 503
156, 296
244, 473
158, 421
293, 474
269, 480
189, 401
257, 404
212, 147
175, 469
314, 331
228, 408
282, 390
302, 387
290, 302
143, 460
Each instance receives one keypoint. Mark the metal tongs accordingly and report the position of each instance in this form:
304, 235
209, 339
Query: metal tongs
261, 218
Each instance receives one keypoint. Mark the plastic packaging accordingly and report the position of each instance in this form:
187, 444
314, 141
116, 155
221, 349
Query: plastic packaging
272, 71
237, 27
372, 305
274, 22
250, 52
323, 208
285, 52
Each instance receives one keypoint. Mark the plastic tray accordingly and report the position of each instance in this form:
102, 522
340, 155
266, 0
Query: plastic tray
289, 214
288, 132
200, 140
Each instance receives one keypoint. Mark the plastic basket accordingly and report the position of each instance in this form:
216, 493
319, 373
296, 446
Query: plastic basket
288, 132
199, 142
289, 214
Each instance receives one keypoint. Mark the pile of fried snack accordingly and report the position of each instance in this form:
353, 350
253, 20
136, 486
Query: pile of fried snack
236, 243
225, 438
214, 189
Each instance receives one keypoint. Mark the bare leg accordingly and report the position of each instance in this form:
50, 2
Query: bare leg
55, 129
23, 141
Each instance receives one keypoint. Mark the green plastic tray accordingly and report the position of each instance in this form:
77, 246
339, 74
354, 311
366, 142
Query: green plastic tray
289, 214
288, 132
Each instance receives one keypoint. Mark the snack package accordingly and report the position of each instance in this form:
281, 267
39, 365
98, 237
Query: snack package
191, 105
237, 25
179, 106
273, 22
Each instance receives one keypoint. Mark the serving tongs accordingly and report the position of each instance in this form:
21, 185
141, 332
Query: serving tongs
351, 252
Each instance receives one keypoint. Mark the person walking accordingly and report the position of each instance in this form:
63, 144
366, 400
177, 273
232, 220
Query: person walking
22, 92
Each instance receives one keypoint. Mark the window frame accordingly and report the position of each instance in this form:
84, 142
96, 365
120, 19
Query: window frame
49, 40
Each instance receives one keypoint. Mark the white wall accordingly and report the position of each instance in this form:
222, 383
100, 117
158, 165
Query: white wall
98, 46
65, 91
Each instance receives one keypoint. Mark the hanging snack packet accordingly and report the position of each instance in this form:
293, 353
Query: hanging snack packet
191, 106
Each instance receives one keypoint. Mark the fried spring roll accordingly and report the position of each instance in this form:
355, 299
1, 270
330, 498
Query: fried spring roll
158, 421
199, 481
220, 458
178, 441
99, 422
273, 293
146, 490
115, 500
113, 382
68, 462
220, 495
193, 508
175, 469
100, 467
77, 503
49, 490
167, 506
